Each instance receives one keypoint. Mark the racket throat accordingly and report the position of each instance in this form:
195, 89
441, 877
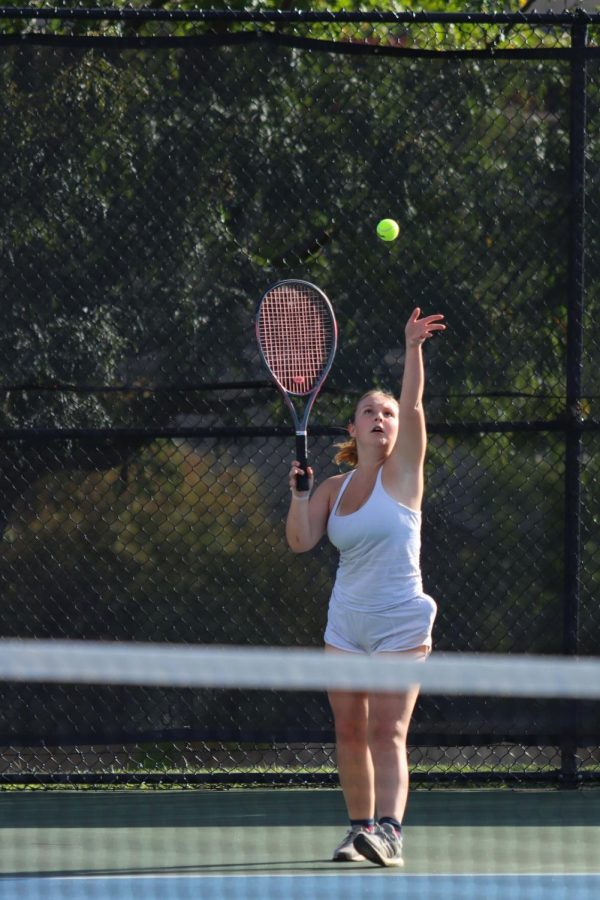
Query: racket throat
302, 482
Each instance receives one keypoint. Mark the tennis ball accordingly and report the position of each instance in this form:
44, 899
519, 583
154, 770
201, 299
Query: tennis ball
388, 230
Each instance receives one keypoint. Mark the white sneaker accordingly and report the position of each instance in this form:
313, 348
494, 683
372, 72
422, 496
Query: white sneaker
346, 852
382, 846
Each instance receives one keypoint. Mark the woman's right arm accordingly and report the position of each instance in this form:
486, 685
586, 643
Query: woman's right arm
307, 516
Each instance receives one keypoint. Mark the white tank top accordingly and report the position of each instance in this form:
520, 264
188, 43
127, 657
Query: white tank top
379, 545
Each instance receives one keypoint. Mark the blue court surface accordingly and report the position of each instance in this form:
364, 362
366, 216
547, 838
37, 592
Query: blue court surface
378, 885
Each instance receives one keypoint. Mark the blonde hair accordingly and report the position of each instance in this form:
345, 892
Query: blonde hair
347, 454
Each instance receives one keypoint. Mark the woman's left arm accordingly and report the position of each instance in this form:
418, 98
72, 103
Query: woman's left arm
412, 435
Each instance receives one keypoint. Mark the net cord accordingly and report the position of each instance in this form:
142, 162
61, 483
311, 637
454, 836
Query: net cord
250, 668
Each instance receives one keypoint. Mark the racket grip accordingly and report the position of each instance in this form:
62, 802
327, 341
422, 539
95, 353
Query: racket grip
302, 482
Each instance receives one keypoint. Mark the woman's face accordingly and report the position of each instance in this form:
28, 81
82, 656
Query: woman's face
376, 422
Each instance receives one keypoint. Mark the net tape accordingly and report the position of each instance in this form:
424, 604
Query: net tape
174, 665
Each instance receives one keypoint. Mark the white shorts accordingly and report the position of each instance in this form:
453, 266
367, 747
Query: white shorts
402, 628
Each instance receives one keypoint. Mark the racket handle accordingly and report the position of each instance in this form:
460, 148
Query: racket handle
302, 482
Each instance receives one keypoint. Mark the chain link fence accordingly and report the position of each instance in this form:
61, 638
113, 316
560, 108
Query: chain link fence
159, 172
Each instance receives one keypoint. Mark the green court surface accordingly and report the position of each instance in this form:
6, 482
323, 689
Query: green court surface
291, 832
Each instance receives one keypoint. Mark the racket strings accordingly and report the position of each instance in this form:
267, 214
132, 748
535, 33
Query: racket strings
297, 334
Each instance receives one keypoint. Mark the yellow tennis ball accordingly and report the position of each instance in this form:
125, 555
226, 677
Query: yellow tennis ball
388, 230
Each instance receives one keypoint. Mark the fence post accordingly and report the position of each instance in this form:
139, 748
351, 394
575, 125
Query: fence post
574, 366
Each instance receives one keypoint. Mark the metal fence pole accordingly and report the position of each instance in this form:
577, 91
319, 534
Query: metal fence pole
574, 366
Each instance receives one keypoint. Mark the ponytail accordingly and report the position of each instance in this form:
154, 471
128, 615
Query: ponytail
347, 454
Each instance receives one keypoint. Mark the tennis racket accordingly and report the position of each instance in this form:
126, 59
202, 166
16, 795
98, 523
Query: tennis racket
297, 338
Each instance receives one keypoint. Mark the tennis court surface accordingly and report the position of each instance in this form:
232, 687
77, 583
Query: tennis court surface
277, 843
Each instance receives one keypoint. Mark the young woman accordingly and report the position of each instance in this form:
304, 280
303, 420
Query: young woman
372, 516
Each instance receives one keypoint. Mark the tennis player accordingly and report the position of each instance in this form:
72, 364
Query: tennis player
372, 516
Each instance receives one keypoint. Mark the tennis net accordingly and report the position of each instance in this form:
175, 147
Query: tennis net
539, 841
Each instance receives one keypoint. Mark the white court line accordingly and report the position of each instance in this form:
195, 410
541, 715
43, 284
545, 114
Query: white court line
455, 876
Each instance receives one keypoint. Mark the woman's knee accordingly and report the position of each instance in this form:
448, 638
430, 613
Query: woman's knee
350, 715
350, 731
388, 731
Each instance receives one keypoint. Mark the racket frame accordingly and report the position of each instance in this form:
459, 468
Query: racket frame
300, 421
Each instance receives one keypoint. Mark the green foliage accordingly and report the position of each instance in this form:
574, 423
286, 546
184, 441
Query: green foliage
177, 527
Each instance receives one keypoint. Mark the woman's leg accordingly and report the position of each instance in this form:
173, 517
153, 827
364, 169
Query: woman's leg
389, 720
355, 766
